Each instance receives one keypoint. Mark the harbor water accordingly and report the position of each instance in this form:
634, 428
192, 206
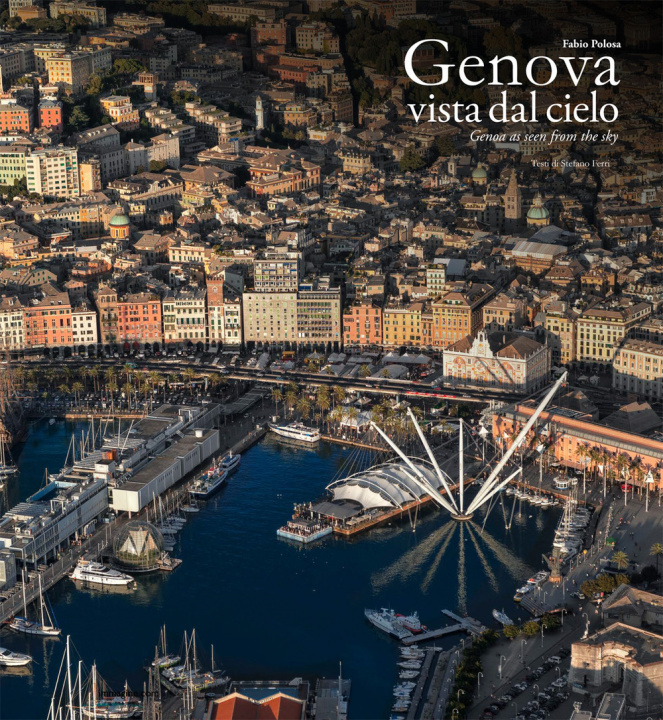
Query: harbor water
273, 609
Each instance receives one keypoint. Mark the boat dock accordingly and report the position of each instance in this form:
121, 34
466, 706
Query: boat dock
467, 625
421, 683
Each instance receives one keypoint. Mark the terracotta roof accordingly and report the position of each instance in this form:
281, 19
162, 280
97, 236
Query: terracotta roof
240, 707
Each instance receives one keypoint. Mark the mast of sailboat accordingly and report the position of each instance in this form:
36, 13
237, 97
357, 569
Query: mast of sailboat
461, 468
41, 604
72, 716
80, 689
212, 658
94, 690
340, 688
25, 603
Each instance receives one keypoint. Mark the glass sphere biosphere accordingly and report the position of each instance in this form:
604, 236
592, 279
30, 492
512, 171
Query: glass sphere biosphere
138, 547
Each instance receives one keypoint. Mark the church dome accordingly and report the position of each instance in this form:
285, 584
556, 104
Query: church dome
120, 220
538, 211
479, 173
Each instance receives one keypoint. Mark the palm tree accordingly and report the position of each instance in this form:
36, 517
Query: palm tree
189, 374
277, 396
128, 389
128, 371
111, 386
323, 399
620, 558
364, 371
385, 373
111, 374
339, 394
304, 406
64, 388
352, 415
77, 387
656, 550
291, 398
93, 372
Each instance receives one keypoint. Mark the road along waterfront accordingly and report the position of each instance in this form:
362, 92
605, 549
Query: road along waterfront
271, 608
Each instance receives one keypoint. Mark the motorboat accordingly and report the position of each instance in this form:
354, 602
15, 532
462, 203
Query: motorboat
231, 462
13, 659
501, 617
98, 574
411, 623
296, 431
209, 482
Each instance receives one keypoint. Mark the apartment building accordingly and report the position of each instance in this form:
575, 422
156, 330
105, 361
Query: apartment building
12, 164
458, 313
48, 319
70, 71
316, 37
53, 172
638, 367
215, 315
106, 301
600, 330
362, 324
184, 314
139, 318
503, 313
269, 316
12, 329
15, 118
560, 325
84, 325
278, 271
402, 325
436, 278
244, 12
319, 316
50, 115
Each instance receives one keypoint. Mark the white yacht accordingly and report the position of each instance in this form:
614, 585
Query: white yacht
296, 431
94, 572
209, 482
502, 617
13, 659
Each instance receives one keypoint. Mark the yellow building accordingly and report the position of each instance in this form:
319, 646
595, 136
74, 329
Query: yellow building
561, 331
402, 325
458, 313
70, 71
600, 330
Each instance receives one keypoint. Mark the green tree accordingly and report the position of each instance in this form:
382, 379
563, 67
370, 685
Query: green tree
511, 631
127, 66
531, 628
79, 119
411, 161
158, 166
444, 145
95, 86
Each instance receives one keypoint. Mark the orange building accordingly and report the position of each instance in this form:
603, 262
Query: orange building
578, 442
50, 115
139, 318
15, 118
48, 319
362, 324
459, 313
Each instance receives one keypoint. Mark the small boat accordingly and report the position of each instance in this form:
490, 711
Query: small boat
411, 623
13, 659
501, 617
7, 467
410, 665
231, 462
388, 621
209, 482
408, 674
52, 421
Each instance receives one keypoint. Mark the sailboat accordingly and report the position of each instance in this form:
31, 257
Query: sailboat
109, 707
7, 467
46, 625
164, 660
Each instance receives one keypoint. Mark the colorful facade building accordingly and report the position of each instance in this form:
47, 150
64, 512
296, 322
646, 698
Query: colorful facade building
362, 324
139, 318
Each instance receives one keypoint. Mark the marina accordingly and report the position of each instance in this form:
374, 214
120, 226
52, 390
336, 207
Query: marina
263, 491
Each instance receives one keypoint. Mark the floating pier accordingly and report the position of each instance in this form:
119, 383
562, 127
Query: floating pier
421, 683
468, 625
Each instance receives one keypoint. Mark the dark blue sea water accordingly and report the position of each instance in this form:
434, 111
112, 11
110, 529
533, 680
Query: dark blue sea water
272, 609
